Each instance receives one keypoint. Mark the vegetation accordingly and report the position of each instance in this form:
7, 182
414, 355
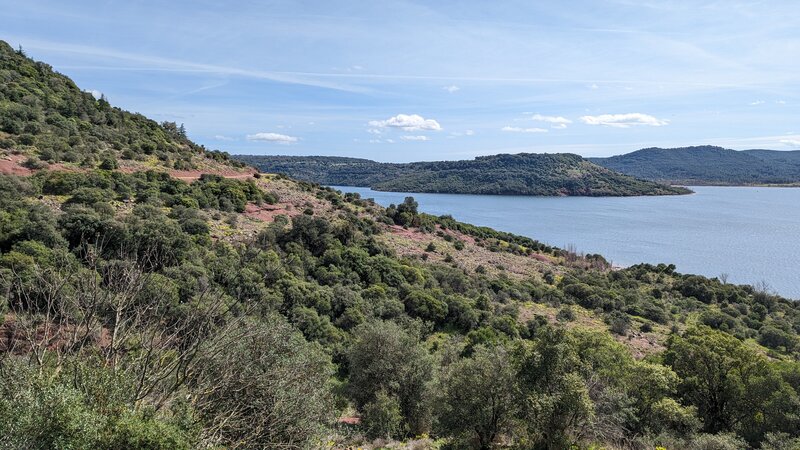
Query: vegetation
708, 165
135, 300
44, 115
140, 311
522, 174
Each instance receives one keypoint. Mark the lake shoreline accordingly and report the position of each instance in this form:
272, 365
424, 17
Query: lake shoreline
746, 232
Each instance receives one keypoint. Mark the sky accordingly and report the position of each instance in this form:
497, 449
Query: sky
412, 81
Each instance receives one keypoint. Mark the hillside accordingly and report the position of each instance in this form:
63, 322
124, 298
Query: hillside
45, 119
521, 174
246, 310
708, 165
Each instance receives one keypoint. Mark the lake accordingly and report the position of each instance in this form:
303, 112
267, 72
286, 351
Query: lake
752, 234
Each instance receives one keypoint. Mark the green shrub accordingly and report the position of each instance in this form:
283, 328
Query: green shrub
382, 418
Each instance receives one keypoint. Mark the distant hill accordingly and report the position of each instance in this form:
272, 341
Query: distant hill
521, 174
46, 118
708, 165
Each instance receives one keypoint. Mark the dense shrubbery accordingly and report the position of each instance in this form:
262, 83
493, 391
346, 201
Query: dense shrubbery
406, 339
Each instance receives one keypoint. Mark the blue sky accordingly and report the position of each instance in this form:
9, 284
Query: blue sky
405, 81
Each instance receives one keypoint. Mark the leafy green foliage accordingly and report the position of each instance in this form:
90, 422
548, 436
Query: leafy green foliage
44, 113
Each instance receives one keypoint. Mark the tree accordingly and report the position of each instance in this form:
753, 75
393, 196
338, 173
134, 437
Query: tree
386, 358
716, 370
382, 417
267, 389
478, 397
554, 394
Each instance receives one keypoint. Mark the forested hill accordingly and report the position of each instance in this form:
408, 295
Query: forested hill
708, 165
254, 311
46, 119
520, 174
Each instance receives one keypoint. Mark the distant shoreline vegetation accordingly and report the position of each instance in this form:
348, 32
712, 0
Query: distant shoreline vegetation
521, 174
709, 166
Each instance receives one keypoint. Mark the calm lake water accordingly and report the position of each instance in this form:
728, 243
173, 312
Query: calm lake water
750, 233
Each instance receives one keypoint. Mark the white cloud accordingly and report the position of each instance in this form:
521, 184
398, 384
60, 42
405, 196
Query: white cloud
780, 102
272, 137
95, 93
407, 122
390, 141
554, 121
791, 142
461, 133
757, 102
624, 120
374, 131
415, 138
594, 86
452, 88
524, 130
220, 137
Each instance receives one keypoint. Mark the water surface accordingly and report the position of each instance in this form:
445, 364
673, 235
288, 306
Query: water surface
752, 234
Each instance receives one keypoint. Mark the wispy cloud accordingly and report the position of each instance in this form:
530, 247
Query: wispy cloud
220, 137
523, 130
462, 133
554, 121
757, 102
452, 88
272, 137
95, 93
178, 65
624, 120
407, 122
415, 138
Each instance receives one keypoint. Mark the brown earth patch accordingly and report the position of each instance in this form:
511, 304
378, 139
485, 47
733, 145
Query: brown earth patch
267, 213
641, 344
186, 175
12, 165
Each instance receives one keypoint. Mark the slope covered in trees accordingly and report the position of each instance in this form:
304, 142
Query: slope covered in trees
708, 165
521, 174
151, 306
141, 311
47, 119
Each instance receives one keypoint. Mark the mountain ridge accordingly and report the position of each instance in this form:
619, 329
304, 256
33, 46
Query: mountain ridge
698, 165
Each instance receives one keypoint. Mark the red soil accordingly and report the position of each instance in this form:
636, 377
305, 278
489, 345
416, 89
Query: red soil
12, 165
267, 213
350, 420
